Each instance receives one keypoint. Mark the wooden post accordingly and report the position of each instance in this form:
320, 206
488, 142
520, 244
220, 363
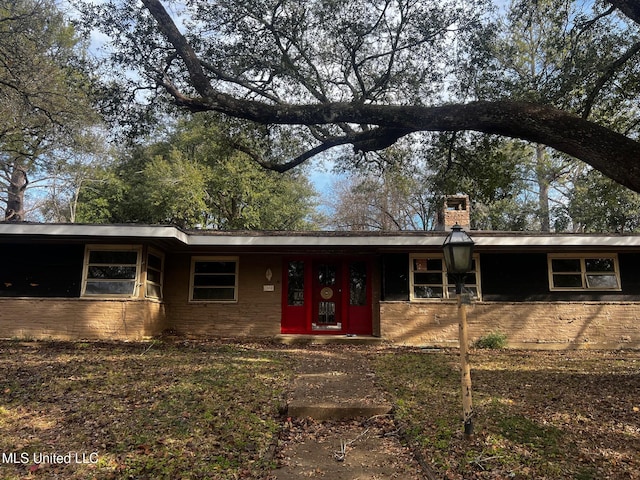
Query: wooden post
467, 404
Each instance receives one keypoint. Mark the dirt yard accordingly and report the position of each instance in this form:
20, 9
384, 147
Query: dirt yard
216, 410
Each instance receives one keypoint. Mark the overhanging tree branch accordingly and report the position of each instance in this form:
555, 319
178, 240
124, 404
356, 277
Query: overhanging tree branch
615, 155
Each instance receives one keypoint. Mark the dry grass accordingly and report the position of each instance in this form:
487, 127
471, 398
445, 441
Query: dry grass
195, 410
157, 411
543, 415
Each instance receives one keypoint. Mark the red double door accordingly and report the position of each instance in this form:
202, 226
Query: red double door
324, 295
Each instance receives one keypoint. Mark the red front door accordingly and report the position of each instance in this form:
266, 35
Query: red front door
327, 297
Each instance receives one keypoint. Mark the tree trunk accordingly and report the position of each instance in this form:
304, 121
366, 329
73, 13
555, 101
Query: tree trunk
15, 195
542, 177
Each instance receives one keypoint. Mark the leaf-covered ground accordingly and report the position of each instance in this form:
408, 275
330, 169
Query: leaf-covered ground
543, 415
213, 410
138, 411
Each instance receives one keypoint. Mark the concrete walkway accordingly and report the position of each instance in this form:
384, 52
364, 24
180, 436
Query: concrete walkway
339, 424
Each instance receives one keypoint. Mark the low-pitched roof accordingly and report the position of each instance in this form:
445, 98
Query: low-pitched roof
488, 240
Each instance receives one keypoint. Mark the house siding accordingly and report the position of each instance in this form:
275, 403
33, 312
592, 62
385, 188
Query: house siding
541, 325
255, 314
521, 277
68, 319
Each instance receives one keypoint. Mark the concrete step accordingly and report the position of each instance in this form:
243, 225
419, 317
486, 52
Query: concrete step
334, 386
290, 339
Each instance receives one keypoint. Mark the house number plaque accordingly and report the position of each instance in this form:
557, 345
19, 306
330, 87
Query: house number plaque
326, 293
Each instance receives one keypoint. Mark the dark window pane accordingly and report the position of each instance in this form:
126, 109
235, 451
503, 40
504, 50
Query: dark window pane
153, 276
427, 292
295, 284
470, 290
113, 257
154, 291
420, 265
213, 293
567, 281
154, 262
111, 272
327, 274
599, 264
214, 280
358, 283
427, 278
395, 276
109, 288
602, 281
565, 265
434, 264
326, 313
215, 267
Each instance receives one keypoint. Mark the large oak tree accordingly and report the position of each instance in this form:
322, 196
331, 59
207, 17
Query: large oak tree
368, 72
43, 101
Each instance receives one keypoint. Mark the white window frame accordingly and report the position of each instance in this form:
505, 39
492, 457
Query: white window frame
197, 259
160, 255
584, 274
111, 248
448, 289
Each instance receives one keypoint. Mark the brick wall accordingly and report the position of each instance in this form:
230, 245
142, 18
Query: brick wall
526, 324
73, 318
257, 313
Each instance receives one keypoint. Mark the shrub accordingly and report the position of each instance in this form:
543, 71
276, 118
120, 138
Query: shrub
493, 340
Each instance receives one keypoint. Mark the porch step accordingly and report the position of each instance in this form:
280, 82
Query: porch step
290, 339
335, 385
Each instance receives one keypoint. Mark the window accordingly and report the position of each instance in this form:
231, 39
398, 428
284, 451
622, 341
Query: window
295, 283
214, 279
111, 271
155, 274
583, 272
357, 284
429, 278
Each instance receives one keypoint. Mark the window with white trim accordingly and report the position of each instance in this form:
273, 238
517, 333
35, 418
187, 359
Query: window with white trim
583, 272
429, 279
214, 279
155, 274
111, 270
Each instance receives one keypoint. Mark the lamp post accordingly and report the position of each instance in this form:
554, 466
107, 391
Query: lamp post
458, 258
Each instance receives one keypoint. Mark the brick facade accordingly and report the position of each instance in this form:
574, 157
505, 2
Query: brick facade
256, 313
526, 324
73, 318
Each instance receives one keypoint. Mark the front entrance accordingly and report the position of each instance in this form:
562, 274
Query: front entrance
325, 295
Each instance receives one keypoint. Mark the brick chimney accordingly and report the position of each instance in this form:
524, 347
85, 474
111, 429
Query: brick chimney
455, 209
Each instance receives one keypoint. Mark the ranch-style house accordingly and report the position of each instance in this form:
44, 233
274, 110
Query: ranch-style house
542, 290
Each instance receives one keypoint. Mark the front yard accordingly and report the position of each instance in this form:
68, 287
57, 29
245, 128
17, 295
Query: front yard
542, 415
210, 410
156, 411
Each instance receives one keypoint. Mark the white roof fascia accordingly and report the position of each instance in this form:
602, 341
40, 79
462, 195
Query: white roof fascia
333, 240
548, 241
98, 231
312, 241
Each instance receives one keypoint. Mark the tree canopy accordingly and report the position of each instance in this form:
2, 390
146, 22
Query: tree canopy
369, 72
43, 97
194, 177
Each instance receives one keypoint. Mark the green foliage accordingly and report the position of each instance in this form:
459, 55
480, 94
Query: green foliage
195, 177
598, 204
44, 90
494, 341
576, 56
